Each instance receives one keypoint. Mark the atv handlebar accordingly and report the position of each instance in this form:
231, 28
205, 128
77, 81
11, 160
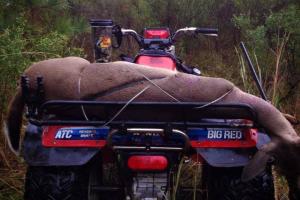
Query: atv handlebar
134, 34
184, 31
130, 32
187, 30
208, 31
196, 30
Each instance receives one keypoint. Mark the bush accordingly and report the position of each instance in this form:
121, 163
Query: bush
20, 46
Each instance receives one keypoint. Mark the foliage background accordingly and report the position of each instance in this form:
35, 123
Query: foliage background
33, 30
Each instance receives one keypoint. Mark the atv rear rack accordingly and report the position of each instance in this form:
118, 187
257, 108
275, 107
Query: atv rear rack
144, 114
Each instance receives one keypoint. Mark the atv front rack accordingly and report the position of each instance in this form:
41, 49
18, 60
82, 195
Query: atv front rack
143, 114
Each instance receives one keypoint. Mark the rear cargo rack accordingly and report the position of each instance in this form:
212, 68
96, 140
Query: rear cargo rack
143, 114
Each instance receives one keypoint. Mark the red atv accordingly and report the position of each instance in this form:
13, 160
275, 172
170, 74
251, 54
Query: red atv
181, 153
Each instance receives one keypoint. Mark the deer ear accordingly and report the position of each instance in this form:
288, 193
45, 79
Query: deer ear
256, 166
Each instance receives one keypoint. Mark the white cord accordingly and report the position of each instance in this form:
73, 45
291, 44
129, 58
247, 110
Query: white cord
216, 100
142, 91
148, 79
137, 95
82, 108
128, 102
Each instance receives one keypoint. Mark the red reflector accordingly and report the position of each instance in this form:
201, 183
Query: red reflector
147, 163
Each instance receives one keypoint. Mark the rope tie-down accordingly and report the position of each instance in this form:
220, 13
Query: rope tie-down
141, 92
129, 101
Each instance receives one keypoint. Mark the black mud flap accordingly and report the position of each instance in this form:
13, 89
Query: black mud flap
224, 157
232, 157
37, 155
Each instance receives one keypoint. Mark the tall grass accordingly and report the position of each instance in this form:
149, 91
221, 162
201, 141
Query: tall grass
17, 52
281, 189
188, 175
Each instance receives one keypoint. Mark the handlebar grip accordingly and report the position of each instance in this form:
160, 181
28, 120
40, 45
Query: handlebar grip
207, 30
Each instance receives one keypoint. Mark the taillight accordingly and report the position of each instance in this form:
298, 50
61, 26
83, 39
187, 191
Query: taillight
147, 163
163, 33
